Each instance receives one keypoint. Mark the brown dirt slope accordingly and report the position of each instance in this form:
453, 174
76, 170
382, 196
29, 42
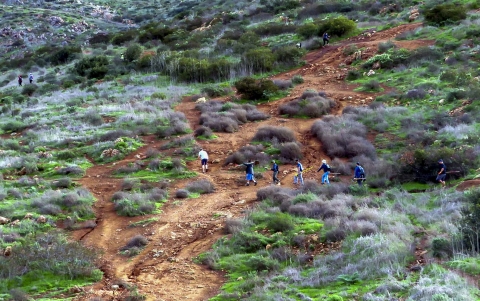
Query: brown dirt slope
164, 270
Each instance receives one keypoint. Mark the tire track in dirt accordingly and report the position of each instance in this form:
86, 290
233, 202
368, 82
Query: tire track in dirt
164, 270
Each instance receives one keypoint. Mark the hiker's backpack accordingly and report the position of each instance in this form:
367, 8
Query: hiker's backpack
362, 172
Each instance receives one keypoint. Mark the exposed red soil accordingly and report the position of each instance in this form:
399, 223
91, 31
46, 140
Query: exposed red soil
468, 185
164, 270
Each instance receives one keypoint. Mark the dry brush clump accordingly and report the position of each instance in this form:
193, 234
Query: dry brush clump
227, 116
253, 152
136, 203
201, 186
311, 104
343, 137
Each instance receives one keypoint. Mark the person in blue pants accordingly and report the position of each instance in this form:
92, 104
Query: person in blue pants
326, 172
359, 174
249, 172
299, 177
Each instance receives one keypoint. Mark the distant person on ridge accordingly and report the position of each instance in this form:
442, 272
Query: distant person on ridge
249, 171
359, 174
442, 173
204, 159
326, 38
299, 177
20, 80
30, 77
326, 172
275, 172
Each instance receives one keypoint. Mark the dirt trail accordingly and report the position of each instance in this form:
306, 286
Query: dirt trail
164, 270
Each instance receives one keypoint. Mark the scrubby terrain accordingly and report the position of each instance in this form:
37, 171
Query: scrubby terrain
102, 196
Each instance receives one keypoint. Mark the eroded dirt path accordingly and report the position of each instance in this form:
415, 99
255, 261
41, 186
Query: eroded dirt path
164, 270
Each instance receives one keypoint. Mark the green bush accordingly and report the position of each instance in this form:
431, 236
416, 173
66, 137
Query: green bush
13, 126
280, 222
335, 298
255, 90
308, 30
64, 55
297, 79
337, 26
260, 59
29, 90
133, 52
123, 37
215, 91
445, 13
92, 67
289, 55
441, 247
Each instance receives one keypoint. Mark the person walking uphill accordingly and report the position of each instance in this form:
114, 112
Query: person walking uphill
326, 38
326, 172
275, 172
442, 173
30, 77
204, 159
299, 177
359, 174
249, 171
20, 80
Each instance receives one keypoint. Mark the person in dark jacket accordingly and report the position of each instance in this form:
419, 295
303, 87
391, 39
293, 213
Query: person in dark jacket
442, 173
326, 38
326, 171
20, 80
359, 174
249, 172
30, 77
275, 172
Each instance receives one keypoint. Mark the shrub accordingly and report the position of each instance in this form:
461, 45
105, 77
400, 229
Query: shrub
255, 90
441, 248
70, 170
311, 105
276, 134
445, 13
283, 84
280, 222
337, 26
133, 52
372, 85
289, 56
181, 194
123, 37
93, 67
297, 79
29, 90
64, 55
385, 46
13, 126
62, 183
201, 186
308, 30
290, 151
203, 131
353, 75
215, 91
138, 241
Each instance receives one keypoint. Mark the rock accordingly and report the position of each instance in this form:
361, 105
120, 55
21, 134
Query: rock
41, 219
28, 216
4, 220
441, 101
376, 66
216, 161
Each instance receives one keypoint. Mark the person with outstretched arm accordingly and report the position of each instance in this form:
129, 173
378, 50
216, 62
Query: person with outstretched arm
442, 173
275, 172
249, 172
326, 171
326, 39
359, 174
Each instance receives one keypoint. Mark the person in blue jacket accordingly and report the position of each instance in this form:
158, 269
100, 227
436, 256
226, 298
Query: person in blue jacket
275, 172
249, 172
326, 172
359, 174
299, 177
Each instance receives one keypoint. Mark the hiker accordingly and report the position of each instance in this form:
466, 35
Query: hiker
299, 45
249, 172
359, 174
30, 77
275, 172
204, 159
299, 177
20, 80
326, 171
326, 38
442, 174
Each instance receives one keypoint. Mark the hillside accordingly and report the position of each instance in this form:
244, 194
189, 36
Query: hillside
103, 197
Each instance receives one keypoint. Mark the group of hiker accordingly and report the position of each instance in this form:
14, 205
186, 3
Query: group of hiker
20, 79
358, 173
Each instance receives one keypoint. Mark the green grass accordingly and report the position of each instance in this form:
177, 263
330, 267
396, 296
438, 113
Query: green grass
415, 186
143, 223
469, 265
155, 176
